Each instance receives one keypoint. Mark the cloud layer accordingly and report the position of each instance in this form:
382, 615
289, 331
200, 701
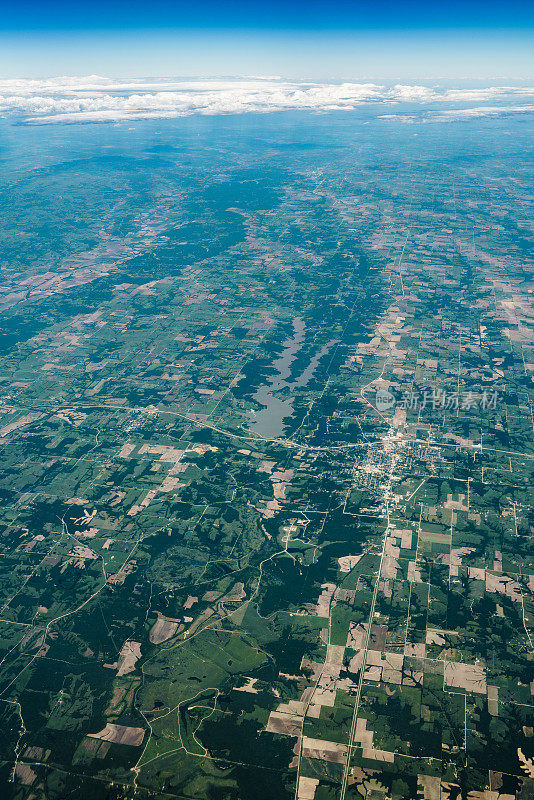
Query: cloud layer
459, 114
98, 99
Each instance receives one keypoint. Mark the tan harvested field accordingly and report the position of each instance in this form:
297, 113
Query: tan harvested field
471, 677
286, 724
324, 750
120, 734
129, 655
163, 629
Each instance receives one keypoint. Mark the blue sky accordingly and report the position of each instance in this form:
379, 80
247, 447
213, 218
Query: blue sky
274, 14
312, 39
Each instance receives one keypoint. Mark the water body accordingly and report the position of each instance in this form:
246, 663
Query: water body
306, 376
269, 421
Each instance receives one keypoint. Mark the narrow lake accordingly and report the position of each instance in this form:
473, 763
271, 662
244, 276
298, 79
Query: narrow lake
269, 421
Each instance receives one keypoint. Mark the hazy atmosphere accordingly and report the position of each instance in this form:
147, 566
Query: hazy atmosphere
266, 427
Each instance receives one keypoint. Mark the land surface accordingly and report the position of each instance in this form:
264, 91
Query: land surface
266, 461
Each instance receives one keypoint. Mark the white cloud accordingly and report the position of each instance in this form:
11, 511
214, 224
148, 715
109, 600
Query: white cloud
484, 111
98, 99
459, 114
